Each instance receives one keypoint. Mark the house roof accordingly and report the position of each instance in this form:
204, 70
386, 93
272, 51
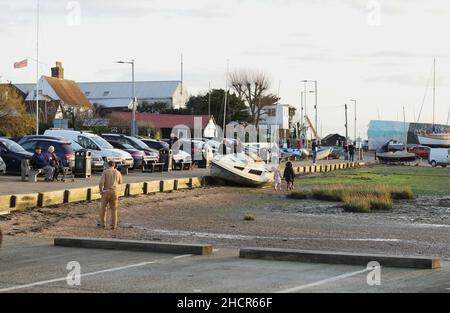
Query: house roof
332, 136
65, 90
162, 120
145, 90
69, 92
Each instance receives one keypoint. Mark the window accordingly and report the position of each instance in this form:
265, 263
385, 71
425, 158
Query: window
29, 146
87, 143
106, 93
271, 112
87, 93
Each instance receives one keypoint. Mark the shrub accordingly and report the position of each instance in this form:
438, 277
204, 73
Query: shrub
249, 218
356, 204
404, 193
329, 193
382, 203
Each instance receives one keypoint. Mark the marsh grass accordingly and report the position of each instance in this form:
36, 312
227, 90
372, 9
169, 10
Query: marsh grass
361, 199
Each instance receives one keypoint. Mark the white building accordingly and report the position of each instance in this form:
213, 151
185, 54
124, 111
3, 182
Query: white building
277, 115
118, 95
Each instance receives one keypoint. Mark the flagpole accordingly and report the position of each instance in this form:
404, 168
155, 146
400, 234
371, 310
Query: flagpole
37, 71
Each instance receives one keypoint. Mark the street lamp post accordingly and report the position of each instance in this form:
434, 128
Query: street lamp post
356, 118
133, 126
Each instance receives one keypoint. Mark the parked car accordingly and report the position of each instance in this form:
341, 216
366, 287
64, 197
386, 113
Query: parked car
63, 148
13, 154
138, 156
97, 162
439, 157
93, 142
2, 167
201, 153
135, 143
179, 156
420, 151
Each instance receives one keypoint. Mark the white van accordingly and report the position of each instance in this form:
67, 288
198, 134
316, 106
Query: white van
93, 142
439, 157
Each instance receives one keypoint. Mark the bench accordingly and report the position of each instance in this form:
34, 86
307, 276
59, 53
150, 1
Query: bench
28, 171
152, 167
183, 166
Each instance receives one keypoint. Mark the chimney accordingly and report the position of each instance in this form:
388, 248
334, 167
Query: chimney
58, 71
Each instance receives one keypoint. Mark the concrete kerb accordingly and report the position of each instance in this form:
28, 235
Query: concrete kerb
131, 245
328, 257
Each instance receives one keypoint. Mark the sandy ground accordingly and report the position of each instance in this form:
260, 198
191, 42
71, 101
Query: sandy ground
216, 215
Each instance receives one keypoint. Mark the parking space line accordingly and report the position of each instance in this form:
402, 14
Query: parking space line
111, 270
325, 281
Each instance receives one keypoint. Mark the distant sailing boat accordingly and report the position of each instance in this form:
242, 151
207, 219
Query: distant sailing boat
437, 137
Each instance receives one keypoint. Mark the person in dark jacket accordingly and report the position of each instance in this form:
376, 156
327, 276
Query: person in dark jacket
40, 161
54, 162
351, 151
289, 176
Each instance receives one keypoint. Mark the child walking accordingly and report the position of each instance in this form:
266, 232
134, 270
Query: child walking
278, 177
289, 176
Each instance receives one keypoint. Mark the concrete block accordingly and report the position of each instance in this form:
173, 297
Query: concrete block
94, 193
153, 187
184, 183
77, 195
25, 201
196, 182
5, 203
129, 245
50, 198
135, 189
167, 185
326, 257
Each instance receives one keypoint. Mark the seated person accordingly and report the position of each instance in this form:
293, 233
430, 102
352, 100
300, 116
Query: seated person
54, 162
39, 161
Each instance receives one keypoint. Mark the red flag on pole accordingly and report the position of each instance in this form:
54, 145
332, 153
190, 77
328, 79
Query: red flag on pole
21, 64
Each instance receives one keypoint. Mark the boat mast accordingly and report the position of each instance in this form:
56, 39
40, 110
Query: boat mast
434, 94
37, 67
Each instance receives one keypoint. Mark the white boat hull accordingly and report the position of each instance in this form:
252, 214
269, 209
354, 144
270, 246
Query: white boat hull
427, 141
323, 154
249, 175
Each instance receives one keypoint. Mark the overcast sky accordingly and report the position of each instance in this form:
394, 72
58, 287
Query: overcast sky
379, 52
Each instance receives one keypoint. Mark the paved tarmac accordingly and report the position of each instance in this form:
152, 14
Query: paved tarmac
35, 265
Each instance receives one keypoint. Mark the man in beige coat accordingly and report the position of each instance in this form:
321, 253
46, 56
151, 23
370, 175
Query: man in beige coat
110, 187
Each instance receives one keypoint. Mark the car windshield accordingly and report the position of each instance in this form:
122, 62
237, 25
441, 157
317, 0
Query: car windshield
102, 143
12, 146
137, 143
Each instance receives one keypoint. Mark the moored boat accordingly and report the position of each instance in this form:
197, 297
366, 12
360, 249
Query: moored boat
396, 157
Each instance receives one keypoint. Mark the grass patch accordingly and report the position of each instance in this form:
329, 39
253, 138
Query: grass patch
361, 199
420, 180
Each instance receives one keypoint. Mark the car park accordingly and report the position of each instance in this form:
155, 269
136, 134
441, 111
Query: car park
134, 142
93, 142
439, 157
13, 154
179, 156
140, 158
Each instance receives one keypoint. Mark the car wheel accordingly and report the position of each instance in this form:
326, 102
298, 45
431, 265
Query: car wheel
433, 164
444, 166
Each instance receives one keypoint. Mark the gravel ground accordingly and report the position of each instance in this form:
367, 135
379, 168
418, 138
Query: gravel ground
216, 215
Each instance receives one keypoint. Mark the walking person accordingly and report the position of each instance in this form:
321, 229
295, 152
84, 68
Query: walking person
277, 179
346, 154
110, 186
39, 161
351, 151
315, 149
289, 176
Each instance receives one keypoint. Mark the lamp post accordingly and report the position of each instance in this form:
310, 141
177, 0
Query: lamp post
133, 126
316, 100
356, 118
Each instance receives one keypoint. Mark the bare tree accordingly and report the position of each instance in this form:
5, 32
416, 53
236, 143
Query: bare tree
252, 86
